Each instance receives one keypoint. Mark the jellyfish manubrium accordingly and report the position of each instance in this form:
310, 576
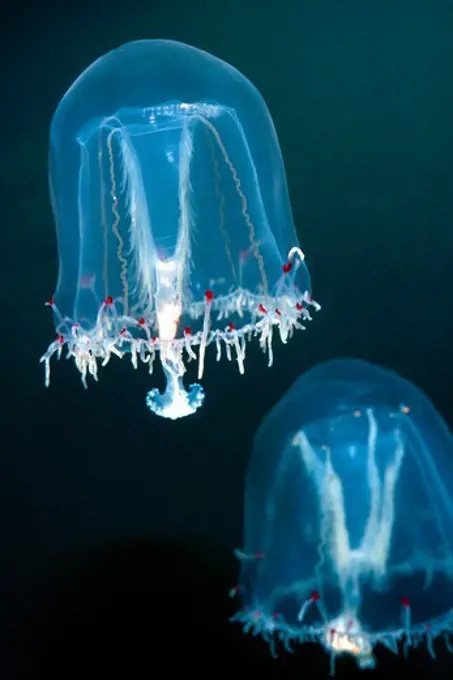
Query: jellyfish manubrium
349, 517
173, 219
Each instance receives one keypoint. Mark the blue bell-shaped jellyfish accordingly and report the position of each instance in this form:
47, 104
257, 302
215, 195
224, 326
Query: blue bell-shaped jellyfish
349, 516
173, 219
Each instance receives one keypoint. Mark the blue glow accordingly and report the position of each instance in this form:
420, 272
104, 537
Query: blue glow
173, 218
349, 516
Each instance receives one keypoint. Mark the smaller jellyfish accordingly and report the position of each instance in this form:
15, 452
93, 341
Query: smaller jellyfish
349, 517
173, 219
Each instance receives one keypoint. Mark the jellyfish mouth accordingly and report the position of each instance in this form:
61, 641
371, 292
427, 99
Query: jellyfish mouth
175, 402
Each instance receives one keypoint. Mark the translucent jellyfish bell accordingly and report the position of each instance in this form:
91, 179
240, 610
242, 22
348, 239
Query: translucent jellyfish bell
174, 225
349, 516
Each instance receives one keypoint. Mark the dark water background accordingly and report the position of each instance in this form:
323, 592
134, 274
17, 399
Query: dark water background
117, 527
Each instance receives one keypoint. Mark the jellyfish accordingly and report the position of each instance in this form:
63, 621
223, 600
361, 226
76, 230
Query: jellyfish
349, 517
173, 219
